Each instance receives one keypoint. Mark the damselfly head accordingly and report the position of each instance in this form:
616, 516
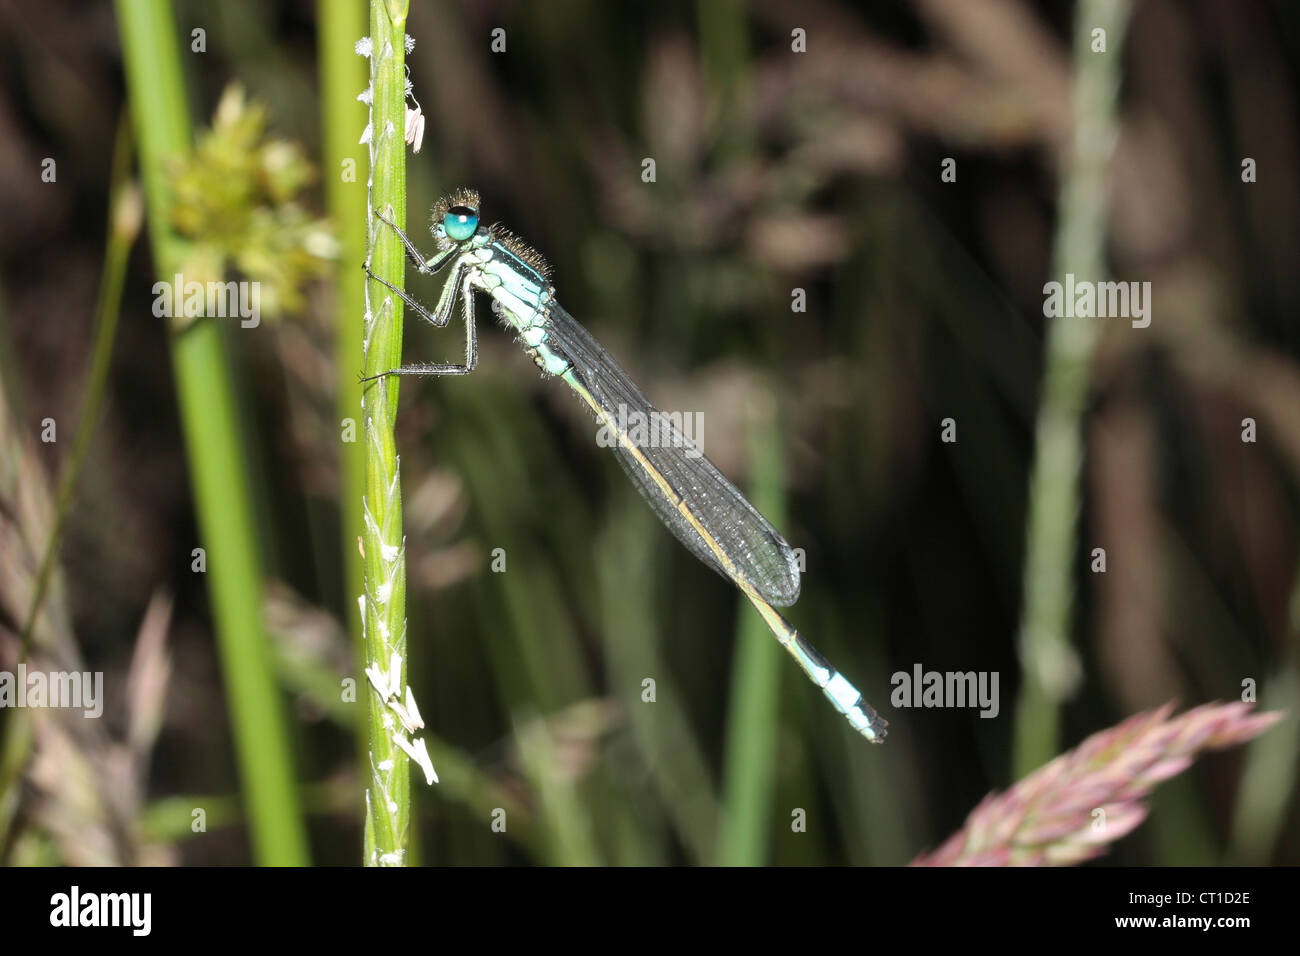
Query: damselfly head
455, 217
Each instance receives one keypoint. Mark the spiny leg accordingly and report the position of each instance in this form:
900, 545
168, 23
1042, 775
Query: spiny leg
471, 336
441, 313
426, 267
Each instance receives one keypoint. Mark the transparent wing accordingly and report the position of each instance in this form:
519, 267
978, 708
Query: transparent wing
757, 550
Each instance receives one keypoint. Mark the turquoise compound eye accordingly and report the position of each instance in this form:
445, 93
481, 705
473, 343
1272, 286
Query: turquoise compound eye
460, 222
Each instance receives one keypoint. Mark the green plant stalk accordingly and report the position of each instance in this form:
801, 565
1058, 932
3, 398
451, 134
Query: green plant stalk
170, 819
218, 473
564, 817
342, 76
631, 632
388, 797
749, 771
1269, 775
123, 228
15, 747
1048, 661
724, 51
1268, 779
459, 779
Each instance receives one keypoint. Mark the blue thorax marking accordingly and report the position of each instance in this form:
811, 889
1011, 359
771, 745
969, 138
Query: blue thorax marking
520, 290
514, 261
524, 296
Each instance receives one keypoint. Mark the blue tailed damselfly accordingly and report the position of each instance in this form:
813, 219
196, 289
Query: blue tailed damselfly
703, 509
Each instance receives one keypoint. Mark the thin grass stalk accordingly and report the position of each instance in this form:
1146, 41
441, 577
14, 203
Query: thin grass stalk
1049, 662
218, 473
725, 59
123, 227
388, 796
1269, 776
170, 820
1268, 779
630, 628
342, 76
566, 820
749, 769
316, 681
26, 520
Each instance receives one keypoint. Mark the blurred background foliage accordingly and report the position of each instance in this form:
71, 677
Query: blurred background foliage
775, 171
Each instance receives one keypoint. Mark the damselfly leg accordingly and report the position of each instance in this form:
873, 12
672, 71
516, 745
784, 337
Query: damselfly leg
456, 287
429, 266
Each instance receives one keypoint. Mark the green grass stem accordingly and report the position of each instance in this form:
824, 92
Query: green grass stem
342, 77
1047, 657
754, 704
218, 471
388, 802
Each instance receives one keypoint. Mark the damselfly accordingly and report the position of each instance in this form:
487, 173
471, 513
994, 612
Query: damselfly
700, 506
